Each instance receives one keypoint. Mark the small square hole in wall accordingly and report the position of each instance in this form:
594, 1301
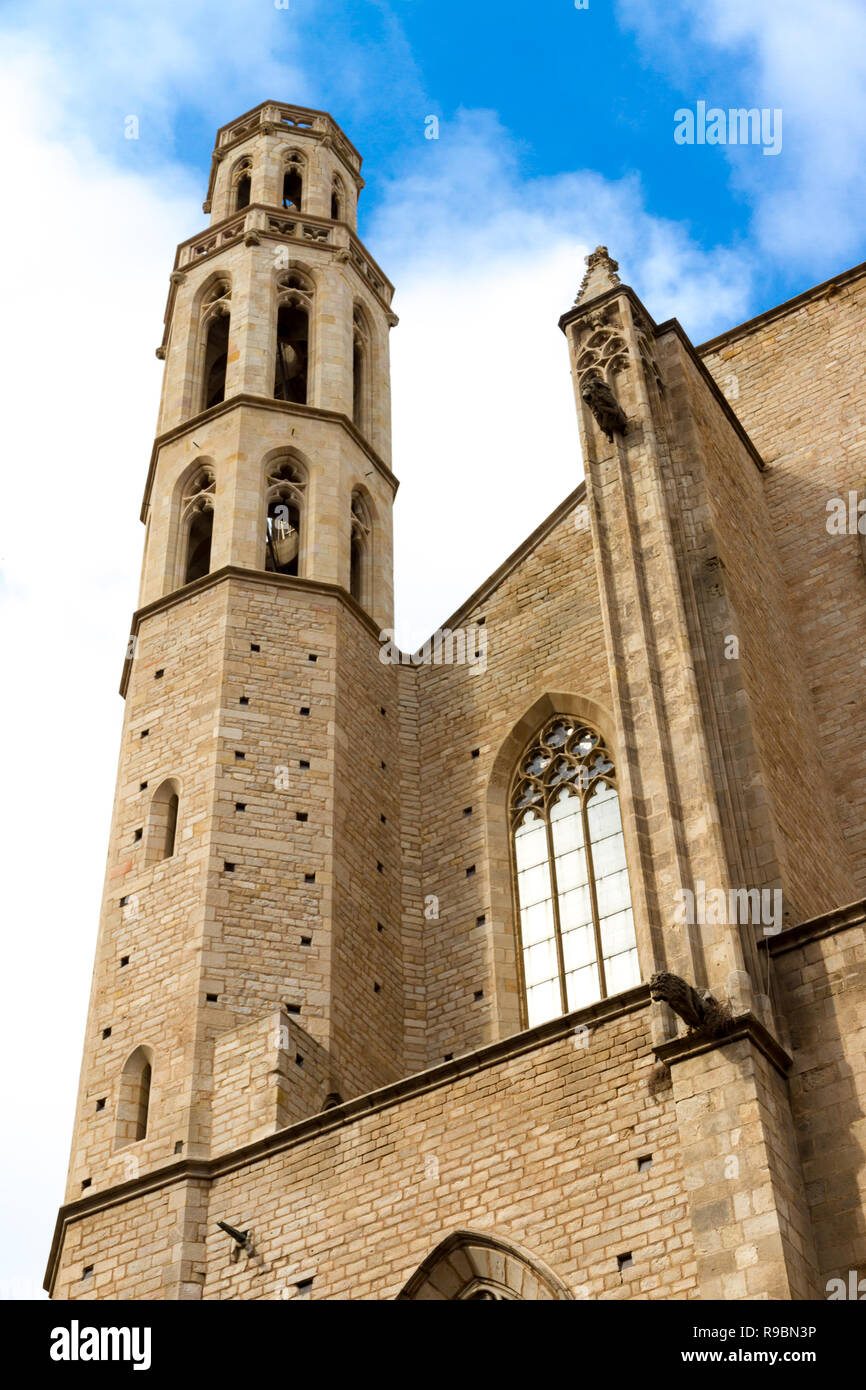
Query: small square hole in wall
158, 675
476, 752
449, 1057
178, 1148
136, 835
254, 647
292, 1008
239, 756
379, 927
480, 621
228, 866
383, 818
479, 994
377, 989
142, 786
212, 998
240, 805
470, 872
306, 941
312, 657
384, 767
299, 1061
480, 920
305, 709
301, 815
106, 1032
380, 866
100, 1104
244, 700
86, 1183
382, 710
124, 960
144, 733
124, 902
304, 1289
644, 1163
467, 810
87, 1272
624, 1261
304, 762
309, 878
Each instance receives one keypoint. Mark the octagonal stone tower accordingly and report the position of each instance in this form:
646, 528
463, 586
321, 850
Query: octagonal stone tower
252, 873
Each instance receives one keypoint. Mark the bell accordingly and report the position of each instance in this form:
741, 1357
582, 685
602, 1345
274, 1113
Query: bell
284, 543
290, 359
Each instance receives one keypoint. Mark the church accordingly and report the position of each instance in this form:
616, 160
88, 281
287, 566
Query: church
529, 966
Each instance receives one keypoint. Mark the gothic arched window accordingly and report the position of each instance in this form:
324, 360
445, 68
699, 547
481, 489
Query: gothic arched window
293, 182
133, 1102
294, 305
360, 557
338, 199
576, 924
215, 326
242, 180
197, 521
285, 496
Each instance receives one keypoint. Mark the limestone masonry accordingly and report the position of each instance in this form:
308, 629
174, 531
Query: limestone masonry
531, 968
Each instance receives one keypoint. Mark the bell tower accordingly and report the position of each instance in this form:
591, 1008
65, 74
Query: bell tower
247, 970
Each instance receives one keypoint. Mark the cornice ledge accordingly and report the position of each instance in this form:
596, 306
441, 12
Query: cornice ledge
589, 306
828, 924
251, 576
788, 306
340, 1116
696, 1042
310, 412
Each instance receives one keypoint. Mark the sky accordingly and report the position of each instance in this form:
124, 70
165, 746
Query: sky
556, 126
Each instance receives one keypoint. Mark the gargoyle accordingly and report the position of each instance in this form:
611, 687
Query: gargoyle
695, 1007
602, 402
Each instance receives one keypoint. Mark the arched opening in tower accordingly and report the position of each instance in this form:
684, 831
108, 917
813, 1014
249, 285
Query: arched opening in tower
215, 361
336, 204
243, 194
133, 1104
290, 378
359, 367
293, 188
356, 569
284, 536
199, 545
170, 826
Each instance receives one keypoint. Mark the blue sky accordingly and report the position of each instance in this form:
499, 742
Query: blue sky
556, 134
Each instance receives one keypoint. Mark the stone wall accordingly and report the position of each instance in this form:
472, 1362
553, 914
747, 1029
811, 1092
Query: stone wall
795, 377
559, 1140
820, 974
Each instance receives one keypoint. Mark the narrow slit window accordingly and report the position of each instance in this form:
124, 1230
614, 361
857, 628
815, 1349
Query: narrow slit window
133, 1105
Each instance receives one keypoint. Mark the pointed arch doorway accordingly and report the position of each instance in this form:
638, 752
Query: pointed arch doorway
475, 1267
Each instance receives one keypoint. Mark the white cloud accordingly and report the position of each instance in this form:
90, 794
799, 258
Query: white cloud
486, 261
807, 59
87, 258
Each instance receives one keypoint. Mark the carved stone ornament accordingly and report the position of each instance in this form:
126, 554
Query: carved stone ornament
608, 413
698, 1009
601, 275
